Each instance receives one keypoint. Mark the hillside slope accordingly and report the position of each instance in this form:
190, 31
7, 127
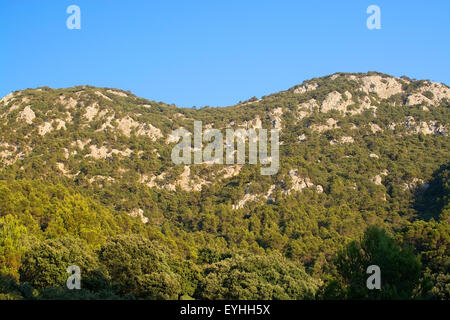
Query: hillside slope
355, 150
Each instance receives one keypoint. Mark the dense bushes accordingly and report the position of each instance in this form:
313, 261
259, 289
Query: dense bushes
256, 277
141, 268
400, 269
242, 254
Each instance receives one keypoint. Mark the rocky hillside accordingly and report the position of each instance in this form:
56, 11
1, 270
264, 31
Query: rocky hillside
356, 150
99, 137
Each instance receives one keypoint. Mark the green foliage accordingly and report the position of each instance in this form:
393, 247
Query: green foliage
141, 268
431, 241
44, 265
60, 206
256, 277
51, 211
400, 269
12, 244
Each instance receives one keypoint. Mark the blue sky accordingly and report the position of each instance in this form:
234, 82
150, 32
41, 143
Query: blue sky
216, 52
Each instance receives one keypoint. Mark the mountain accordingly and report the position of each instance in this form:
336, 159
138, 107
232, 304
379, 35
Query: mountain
356, 150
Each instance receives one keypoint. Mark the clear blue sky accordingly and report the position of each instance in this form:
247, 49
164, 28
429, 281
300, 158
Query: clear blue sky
216, 52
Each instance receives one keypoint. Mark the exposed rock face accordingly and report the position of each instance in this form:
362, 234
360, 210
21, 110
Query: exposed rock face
65, 172
375, 128
330, 124
147, 129
298, 182
172, 139
269, 194
12, 108
185, 181
392, 126
47, 127
430, 127
99, 153
231, 171
275, 115
75, 109
383, 87
103, 153
247, 198
378, 179
139, 213
7, 98
80, 144
431, 94
61, 167
347, 139
91, 112
256, 123
309, 105
415, 183
302, 137
342, 140
100, 178
127, 124
7, 151
68, 103
26, 115
60, 124
102, 95
417, 98
334, 101
107, 123
10, 153
16, 105
306, 87
118, 93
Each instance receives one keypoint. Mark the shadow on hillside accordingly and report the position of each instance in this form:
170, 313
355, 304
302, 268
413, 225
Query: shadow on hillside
429, 202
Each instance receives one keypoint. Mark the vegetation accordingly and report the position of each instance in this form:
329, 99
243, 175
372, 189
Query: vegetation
60, 206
